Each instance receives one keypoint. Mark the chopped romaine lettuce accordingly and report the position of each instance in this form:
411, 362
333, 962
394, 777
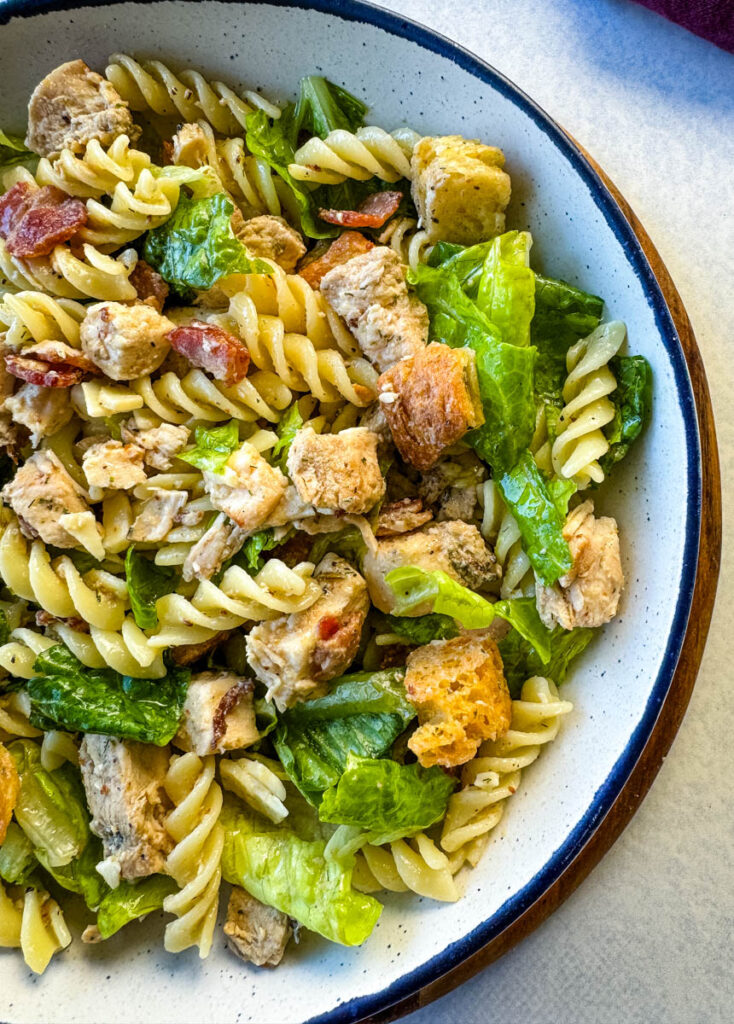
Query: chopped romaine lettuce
80, 875
64, 693
17, 859
386, 799
50, 807
131, 900
4, 627
539, 519
413, 586
203, 182
13, 150
506, 292
250, 556
323, 107
196, 247
146, 583
289, 425
348, 543
563, 315
362, 714
521, 661
282, 870
212, 447
420, 629
633, 403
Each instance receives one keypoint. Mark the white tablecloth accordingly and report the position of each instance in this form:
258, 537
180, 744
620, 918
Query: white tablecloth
648, 936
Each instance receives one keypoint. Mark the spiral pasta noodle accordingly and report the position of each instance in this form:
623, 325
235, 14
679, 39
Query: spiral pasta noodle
18, 655
580, 441
131, 212
154, 87
369, 152
415, 865
194, 862
499, 528
255, 782
57, 586
14, 711
97, 172
409, 242
62, 274
34, 924
33, 316
494, 775
237, 598
57, 748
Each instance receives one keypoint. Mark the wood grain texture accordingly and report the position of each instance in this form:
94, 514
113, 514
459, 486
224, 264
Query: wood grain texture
674, 707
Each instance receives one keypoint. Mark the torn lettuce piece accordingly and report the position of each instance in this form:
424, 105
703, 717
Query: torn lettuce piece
362, 714
13, 150
17, 859
196, 247
386, 799
632, 400
50, 808
563, 315
506, 293
66, 694
418, 630
540, 521
413, 586
520, 660
295, 876
146, 583
131, 900
80, 875
287, 428
323, 107
212, 447
203, 182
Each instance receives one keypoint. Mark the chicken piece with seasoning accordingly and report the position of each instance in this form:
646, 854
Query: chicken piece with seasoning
218, 714
337, 471
256, 933
40, 493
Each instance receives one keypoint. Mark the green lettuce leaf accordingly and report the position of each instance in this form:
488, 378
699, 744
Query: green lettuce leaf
539, 519
13, 150
632, 400
348, 543
563, 315
50, 807
413, 586
419, 630
4, 627
17, 859
466, 263
66, 694
506, 293
196, 247
80, 875
289, 425
362, 714
386, 799
203, 182
212, 447
282, 870
271, 141
323, 107
521, 661
146, 583
250, 556
504, 371
131, 900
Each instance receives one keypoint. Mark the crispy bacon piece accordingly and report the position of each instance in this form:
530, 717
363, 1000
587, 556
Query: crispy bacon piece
50, 364
150, 286
34, 221
372, 212
341, 250
212, 349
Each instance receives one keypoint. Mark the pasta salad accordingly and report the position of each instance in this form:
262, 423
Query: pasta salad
298, 536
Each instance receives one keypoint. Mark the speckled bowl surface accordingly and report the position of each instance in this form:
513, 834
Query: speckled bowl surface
411, 76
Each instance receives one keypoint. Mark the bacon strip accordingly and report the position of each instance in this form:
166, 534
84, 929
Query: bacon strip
213, 349
342, 249
59, 353
372, 212
35, 371
33, 221
150, 286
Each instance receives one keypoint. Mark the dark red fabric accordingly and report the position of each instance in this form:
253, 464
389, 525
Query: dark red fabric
712, 19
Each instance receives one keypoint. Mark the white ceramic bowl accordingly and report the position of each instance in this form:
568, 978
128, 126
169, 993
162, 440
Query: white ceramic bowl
409, 75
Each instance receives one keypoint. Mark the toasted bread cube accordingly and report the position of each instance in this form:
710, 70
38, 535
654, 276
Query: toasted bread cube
430, 400
337, 471
458, 688
460, 189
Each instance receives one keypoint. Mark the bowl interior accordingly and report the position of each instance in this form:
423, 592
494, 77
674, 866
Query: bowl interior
618, 684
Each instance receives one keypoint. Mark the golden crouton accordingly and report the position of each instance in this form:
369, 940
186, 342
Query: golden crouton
430, 400
460, 693
337, 471
9, 789
460, 189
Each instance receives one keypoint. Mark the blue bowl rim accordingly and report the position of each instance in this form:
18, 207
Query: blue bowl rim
358, 10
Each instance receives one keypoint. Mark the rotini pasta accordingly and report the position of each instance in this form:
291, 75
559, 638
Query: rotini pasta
409, 241
494, 775
255, 782
580, 441
369, 152
97, 172
32, 316
194, 862
499, 528
62, 274
57, 586
238, 598
153, 86
415, 865
57, 748
14, 711
131, 212
35, 924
